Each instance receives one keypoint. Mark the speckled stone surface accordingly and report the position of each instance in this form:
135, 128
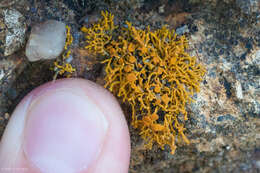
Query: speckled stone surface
224, 122
12, 31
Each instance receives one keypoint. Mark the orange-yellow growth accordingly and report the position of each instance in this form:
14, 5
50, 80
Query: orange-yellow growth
152, 72
61, 65
100, 33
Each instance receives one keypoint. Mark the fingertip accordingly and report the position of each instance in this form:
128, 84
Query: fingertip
51, 126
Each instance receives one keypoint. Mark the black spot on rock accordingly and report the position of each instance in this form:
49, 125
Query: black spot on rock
233, 41
227, 86
249, 44
243, 56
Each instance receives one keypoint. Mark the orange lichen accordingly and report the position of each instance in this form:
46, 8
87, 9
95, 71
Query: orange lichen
100, 33
64, 68
152, 72
63, 65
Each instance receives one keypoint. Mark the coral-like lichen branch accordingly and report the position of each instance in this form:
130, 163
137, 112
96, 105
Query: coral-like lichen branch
63, 65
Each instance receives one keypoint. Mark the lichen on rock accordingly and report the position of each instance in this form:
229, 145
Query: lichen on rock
151, 71
63, 65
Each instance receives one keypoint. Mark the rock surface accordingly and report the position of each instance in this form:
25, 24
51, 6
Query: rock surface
249, 6
223, 124
46, 40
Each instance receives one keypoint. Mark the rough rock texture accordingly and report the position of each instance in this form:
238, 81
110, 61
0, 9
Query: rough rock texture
7, 3
46, 40
10, 68
223, 123
12, 31
248, 6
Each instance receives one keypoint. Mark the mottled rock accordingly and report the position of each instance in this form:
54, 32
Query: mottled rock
7, 3
248, 6
46, 40
12, 31
255, 59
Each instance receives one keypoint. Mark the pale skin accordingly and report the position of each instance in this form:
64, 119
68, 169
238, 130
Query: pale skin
71, 125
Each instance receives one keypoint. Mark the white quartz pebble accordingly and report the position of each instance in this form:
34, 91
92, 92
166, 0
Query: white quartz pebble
46, 41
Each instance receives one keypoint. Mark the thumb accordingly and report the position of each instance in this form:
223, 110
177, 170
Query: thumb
69, 126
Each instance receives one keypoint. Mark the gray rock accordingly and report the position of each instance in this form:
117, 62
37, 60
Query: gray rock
182, 30
46, 41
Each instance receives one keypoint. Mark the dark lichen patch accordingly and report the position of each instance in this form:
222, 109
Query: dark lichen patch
151, 5
199, 121
225, 118
227, 86
249, 44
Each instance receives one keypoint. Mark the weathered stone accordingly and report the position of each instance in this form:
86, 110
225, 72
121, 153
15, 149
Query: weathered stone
46, 40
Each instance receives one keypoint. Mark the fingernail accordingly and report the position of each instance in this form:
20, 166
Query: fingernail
64, 131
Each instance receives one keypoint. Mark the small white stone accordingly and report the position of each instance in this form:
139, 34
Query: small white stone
2, 74
46, 41
257, 163
239, 92
161, 9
